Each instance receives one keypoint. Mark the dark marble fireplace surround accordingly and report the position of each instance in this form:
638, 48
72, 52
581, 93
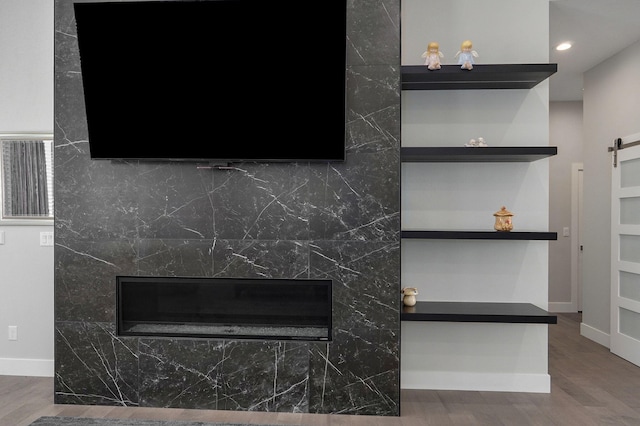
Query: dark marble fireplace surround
336, 221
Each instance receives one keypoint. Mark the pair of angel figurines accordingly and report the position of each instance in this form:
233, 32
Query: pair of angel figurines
465, 55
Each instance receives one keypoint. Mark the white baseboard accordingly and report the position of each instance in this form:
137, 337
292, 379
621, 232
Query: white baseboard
562, 307
499, 382
594, 334
26, 367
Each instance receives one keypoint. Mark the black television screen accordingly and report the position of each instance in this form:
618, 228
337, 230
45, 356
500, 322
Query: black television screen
214, 81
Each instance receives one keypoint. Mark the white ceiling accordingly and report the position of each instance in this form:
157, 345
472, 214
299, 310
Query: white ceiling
598, 30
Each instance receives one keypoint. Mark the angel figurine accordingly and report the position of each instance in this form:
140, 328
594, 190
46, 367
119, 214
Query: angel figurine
466, 55
433, 55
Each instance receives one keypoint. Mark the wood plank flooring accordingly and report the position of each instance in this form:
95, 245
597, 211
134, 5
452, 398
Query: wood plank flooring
589, 386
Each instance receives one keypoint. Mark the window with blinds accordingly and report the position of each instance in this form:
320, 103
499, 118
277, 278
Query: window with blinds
26, 165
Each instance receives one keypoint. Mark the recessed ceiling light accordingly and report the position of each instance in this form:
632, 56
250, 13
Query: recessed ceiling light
563, 46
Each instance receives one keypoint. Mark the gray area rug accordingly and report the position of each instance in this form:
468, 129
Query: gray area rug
87, 421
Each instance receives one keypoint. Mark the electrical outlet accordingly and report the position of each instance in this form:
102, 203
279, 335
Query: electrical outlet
13, 332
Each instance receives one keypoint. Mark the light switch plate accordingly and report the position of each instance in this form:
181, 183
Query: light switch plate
46, 239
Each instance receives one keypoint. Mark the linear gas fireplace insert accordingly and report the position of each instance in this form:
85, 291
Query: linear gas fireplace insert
230, 308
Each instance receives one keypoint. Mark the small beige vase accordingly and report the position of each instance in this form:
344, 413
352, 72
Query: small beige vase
409, 296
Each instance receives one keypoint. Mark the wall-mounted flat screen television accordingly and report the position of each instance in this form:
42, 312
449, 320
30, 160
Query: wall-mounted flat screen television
214, 80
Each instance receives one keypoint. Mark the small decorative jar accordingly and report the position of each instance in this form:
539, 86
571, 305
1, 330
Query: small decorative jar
409, 296
503, 220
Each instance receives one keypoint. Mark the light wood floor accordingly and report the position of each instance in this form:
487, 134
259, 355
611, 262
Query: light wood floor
589, 386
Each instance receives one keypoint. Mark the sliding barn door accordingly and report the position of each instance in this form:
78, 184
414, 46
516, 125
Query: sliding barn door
625, 255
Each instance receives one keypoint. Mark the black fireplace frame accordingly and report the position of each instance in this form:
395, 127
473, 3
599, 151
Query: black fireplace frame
228, 308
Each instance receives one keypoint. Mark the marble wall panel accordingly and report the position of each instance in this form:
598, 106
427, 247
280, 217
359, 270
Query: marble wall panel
356, 374
175, 258
84, 278
365, 277
298, 220
94, 366
261, 259
224, 375
262, 201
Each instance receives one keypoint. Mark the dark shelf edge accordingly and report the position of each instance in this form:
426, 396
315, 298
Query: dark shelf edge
478, 235
480, 154
514, 313
482, 76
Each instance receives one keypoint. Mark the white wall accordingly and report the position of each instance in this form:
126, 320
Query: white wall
507, 357
565, 132
26, 269
611, 110
26, 47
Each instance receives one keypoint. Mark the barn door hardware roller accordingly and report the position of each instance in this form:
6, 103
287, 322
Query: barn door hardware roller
618, 145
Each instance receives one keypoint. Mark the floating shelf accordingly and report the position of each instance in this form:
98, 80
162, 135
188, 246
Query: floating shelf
497, 76
476, 154
477, 235
477, 312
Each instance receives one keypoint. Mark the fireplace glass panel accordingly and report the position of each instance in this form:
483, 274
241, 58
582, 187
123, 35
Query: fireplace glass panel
242, 308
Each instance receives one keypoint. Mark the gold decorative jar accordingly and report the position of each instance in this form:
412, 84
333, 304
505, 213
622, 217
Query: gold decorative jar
503, 220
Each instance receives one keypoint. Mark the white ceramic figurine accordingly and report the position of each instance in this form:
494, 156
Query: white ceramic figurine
433, 55
466, 55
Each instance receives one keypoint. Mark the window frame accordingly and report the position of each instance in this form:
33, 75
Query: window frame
25, 220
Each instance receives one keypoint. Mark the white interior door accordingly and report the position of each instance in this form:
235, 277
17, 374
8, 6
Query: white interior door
577, 172
580, 250
625, 255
